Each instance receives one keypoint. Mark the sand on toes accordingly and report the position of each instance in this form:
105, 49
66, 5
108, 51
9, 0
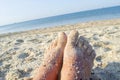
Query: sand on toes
78, 58
51, 65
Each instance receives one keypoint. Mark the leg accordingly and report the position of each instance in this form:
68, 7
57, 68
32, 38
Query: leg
52, 62
78, 58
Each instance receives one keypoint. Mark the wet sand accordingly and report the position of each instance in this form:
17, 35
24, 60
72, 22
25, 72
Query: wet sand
22, 52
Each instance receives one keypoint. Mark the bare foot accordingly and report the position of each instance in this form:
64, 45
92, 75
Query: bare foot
52, 62
78, 58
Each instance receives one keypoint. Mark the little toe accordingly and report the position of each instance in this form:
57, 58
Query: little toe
93, 54
72, 38
62, 39
53, 44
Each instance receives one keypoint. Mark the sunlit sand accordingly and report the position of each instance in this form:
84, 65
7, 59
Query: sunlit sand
21, 53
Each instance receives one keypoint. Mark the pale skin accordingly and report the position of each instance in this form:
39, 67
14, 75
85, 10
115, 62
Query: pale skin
70, 58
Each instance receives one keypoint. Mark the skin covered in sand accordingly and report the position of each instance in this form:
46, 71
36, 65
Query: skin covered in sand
78, 58
52, 62
77, 63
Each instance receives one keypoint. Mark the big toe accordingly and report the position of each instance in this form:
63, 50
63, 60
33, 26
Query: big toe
72, 38
62, 39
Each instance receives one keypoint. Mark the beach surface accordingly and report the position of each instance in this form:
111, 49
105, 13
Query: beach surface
21, 53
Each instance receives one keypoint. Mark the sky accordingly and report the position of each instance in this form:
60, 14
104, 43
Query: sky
13, 11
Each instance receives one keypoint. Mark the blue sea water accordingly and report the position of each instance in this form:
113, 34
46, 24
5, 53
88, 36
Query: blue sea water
72, 18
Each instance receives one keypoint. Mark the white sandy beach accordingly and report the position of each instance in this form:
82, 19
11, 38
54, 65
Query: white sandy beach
21, 53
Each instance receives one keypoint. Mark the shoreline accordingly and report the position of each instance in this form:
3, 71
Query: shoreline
71, 26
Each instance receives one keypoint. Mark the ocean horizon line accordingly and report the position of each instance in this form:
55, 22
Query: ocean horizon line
85, 16
59, 15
